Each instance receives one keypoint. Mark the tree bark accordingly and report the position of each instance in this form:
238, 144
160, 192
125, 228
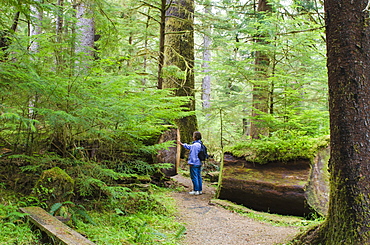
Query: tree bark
162, 37
260, 87
59, 32
206, 82
179, 52
35, 27
59, 21
85, 27
348, 49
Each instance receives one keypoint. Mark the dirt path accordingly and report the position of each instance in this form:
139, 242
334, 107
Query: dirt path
209, 224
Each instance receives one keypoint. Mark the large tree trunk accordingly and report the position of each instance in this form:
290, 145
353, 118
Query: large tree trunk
59, 32
85, 28
260, 87
179, 52
162, 37
348, 49
206, 82
35, 27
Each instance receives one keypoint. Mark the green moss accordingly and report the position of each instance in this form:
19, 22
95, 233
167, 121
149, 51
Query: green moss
54, 185
275, 219
278, 149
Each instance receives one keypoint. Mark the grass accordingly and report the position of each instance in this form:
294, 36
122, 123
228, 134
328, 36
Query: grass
274, 219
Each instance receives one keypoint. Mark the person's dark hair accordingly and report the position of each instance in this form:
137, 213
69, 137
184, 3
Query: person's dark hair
197, 135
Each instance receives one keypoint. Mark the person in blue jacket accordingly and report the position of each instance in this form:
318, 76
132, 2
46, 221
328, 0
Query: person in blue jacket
195, 163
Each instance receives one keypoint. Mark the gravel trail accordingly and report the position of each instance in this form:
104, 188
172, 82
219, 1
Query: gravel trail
210, 224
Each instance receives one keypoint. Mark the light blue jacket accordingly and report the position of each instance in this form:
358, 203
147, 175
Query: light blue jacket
194, 151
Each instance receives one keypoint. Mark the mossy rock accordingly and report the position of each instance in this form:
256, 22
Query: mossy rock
54, 185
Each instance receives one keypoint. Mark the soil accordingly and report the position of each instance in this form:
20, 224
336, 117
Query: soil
210, 224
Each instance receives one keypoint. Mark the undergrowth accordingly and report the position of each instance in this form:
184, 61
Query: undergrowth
144, 219
140, 218
14, 228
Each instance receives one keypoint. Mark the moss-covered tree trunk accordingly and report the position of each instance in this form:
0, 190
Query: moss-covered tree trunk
260, 86
179, 59
348, 50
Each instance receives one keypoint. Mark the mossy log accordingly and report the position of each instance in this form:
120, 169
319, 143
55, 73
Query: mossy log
292, 188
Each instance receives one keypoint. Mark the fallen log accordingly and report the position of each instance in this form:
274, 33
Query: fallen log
292, 188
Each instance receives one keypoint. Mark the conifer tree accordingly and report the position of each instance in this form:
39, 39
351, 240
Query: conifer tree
206, 81
348, 48
179, 59
261, 86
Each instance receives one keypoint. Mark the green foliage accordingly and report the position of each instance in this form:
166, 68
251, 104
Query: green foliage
14, 229
108, 110
100, 122
141, 218
71, 210
144, 219
282, 146
296, 78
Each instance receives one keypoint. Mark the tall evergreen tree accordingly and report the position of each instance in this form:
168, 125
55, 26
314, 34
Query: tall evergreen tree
179, 59
35, 25
261, 88
206, 81
85, 28
348, 61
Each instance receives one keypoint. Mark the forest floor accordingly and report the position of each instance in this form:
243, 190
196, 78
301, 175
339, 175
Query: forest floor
208, 223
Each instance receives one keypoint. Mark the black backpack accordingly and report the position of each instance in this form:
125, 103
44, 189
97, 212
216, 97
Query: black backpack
203, 155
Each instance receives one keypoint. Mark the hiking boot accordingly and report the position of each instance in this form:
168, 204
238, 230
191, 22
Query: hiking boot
194, 193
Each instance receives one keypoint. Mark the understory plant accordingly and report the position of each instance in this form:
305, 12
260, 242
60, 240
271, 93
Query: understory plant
15, 229
139, 218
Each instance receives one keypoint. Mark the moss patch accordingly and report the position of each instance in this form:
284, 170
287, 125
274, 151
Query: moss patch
278, 149
54, 185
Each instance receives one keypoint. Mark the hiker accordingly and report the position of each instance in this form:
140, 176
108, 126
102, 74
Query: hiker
195, 163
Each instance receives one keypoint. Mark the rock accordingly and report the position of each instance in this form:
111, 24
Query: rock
275, 187
54, 186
